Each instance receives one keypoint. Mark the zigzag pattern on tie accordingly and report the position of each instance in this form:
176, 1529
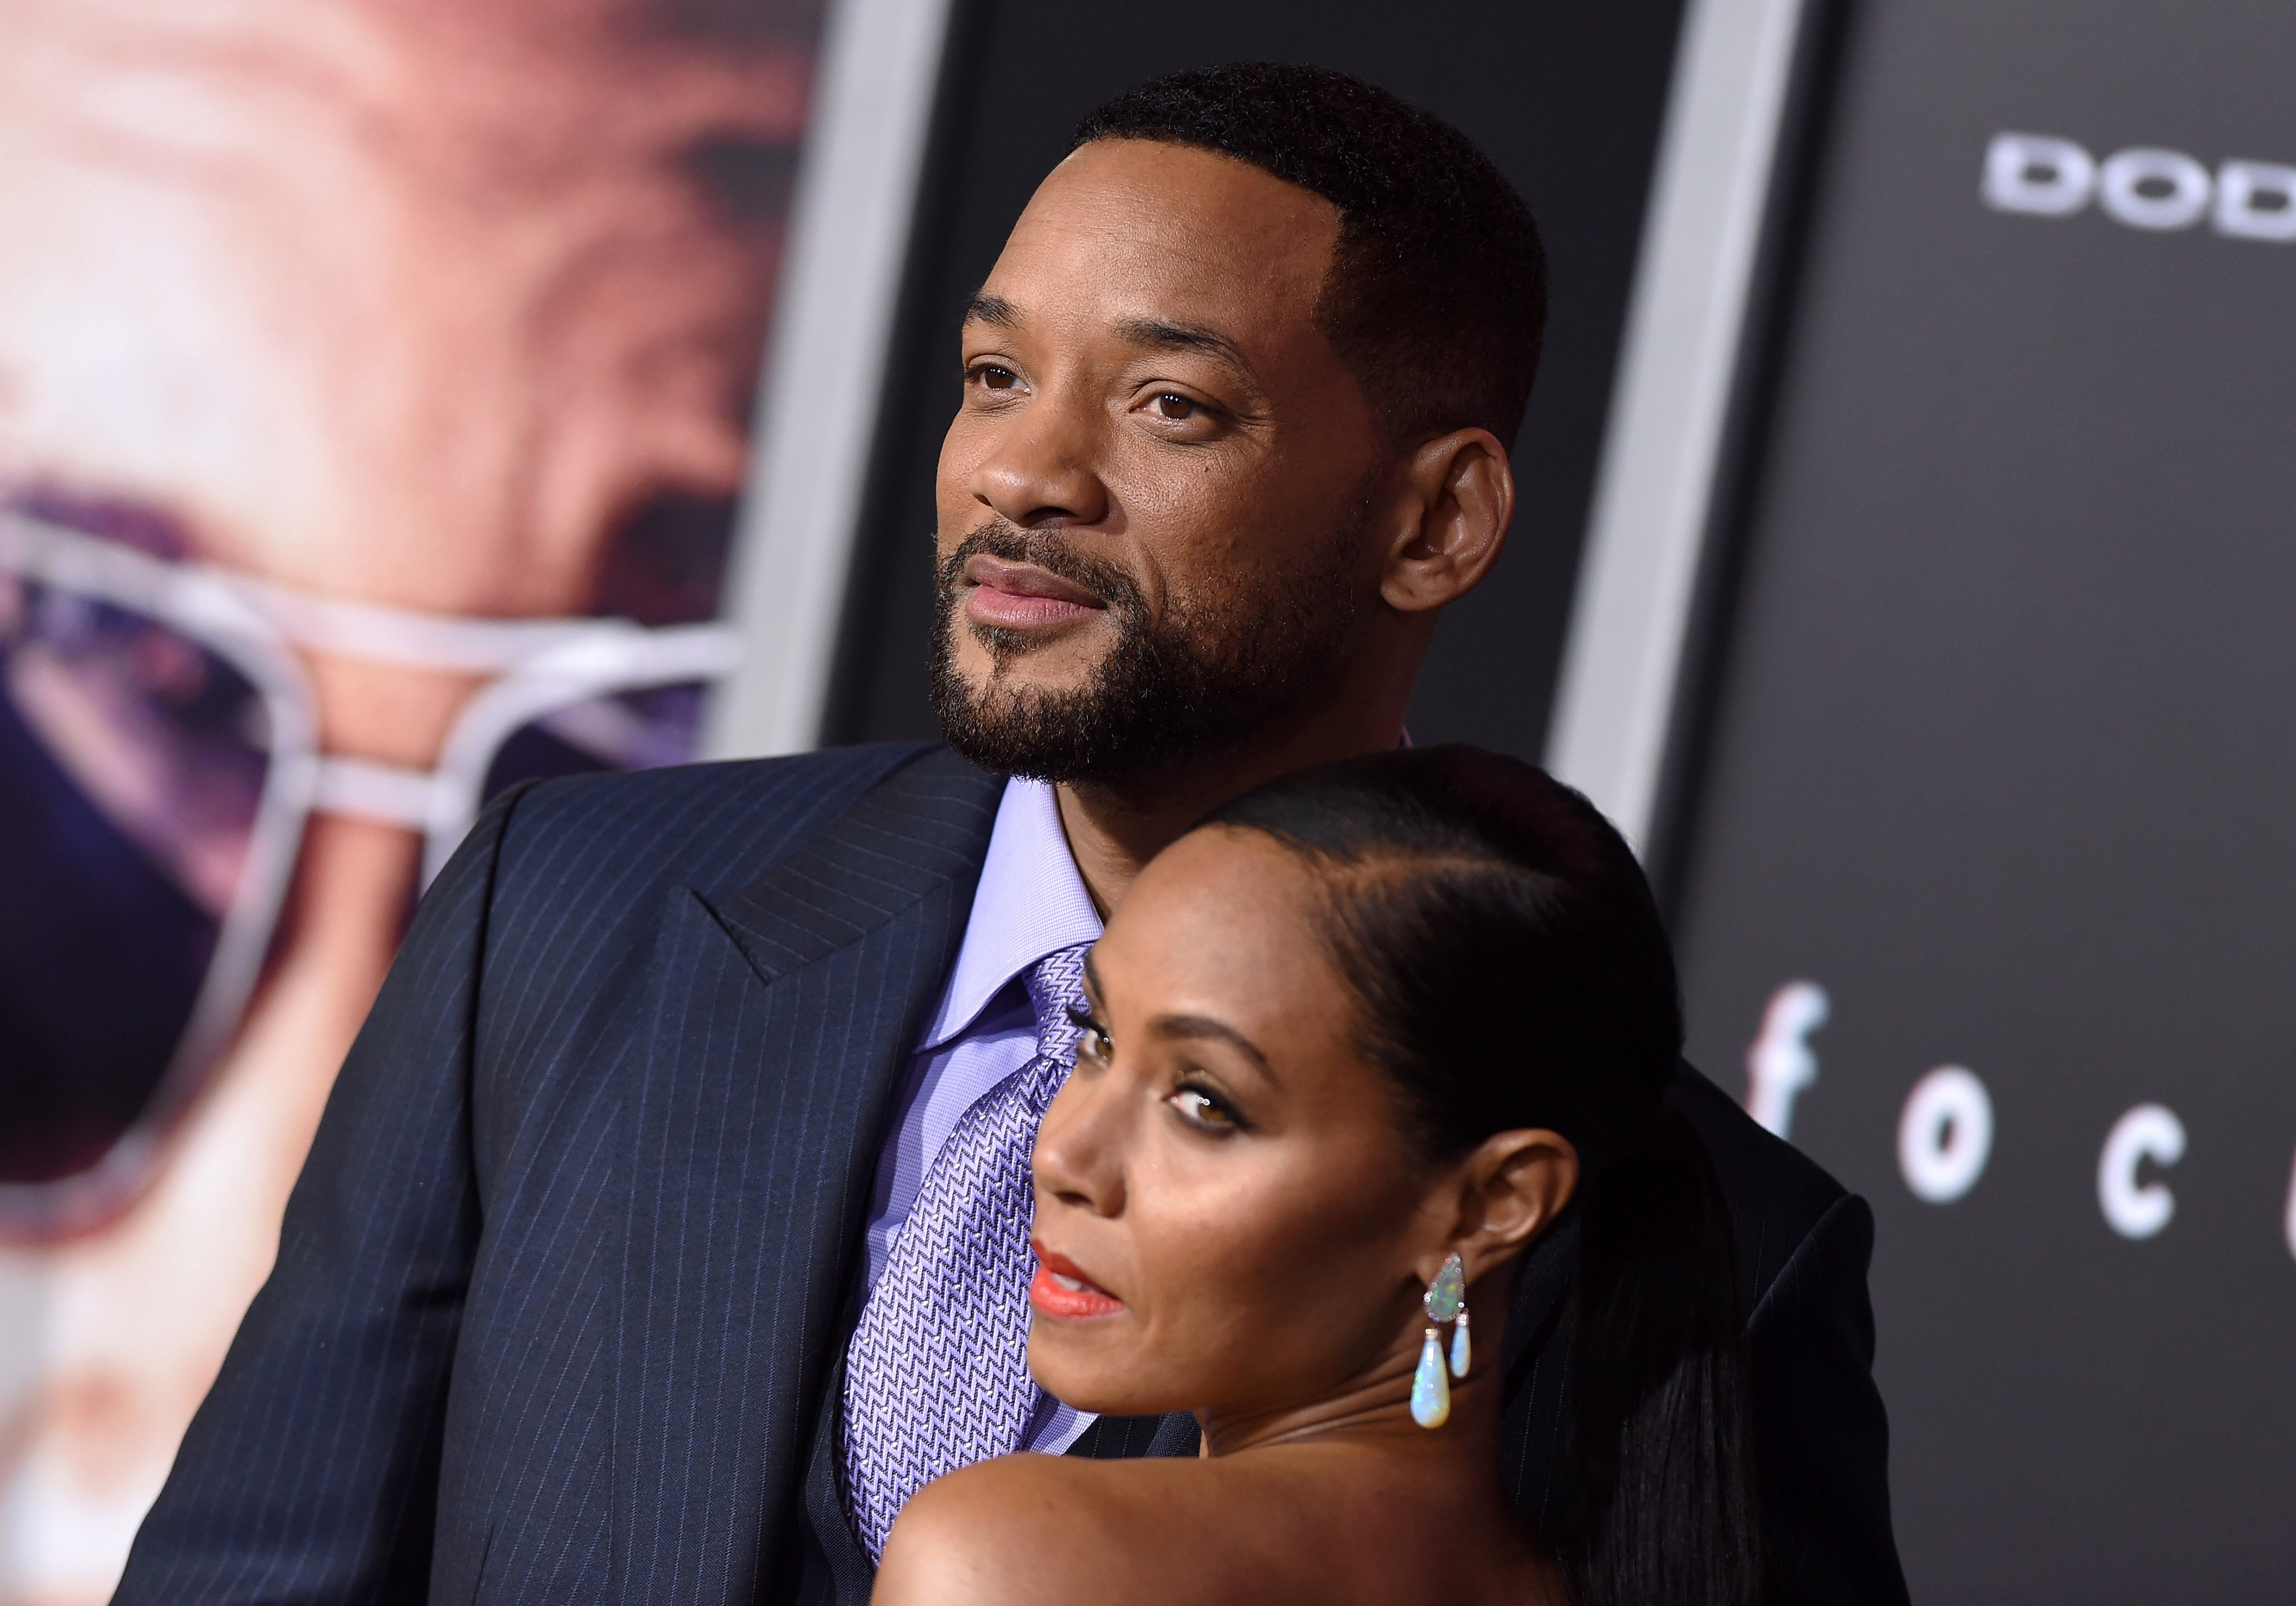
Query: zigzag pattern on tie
936, 1376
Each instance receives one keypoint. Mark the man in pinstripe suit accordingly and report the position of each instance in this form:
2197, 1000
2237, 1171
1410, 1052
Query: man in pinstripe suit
568, 1298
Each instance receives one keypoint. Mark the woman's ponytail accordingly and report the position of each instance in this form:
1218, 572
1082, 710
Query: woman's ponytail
1659, 1387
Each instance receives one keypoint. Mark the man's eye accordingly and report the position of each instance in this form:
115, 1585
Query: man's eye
1173, 405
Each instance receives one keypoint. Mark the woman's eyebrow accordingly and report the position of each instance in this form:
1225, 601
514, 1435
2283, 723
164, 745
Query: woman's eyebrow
1204, 1026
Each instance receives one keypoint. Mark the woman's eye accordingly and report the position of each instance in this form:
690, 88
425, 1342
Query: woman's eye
1093, 1041
1173, 405
994, 378
1202, 1109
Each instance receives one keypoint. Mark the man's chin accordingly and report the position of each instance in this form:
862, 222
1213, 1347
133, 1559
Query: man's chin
1049, 670
1012, 724
1098, 705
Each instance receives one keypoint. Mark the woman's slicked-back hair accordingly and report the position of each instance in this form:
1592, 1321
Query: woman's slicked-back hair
1510, 971
1436, 297
1480, 905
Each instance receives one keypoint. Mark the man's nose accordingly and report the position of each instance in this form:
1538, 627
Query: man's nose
1078, 1158
1041, 470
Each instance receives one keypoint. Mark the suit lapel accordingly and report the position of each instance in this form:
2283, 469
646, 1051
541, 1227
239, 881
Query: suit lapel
785, 1010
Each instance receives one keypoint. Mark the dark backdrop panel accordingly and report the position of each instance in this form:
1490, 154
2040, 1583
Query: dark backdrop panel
2004, 759
1567, 98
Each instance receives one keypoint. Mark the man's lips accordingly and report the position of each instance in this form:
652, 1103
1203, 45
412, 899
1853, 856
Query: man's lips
1063, 1291
1021, 595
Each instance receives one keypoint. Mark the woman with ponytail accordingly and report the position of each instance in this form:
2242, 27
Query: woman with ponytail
1355, 1045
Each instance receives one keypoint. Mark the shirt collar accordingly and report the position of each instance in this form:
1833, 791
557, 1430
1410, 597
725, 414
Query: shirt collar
1031, 902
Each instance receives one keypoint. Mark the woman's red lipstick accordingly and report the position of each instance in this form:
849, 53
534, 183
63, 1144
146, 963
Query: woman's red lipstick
1063, 1291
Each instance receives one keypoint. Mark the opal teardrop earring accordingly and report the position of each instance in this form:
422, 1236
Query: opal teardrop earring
1446, 1300
1430, 1388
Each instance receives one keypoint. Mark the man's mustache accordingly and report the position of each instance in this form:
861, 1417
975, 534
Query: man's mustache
1051, 552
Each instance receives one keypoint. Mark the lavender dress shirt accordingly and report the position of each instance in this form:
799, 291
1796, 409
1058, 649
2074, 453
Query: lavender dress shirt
1031, 902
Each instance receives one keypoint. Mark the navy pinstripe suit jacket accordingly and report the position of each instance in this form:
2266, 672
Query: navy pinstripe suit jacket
561, 1289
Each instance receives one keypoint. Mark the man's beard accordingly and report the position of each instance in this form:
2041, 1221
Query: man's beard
1210, 674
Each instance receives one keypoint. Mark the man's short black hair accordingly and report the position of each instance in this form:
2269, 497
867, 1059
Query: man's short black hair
1436, 297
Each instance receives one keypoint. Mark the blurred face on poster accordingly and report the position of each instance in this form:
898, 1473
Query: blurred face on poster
374, 385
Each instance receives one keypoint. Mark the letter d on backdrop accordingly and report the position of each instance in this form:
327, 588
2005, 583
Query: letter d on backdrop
2256, 201
2033, 173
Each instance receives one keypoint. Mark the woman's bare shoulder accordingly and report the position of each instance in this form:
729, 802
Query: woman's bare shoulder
1320, 1524
1027, 1529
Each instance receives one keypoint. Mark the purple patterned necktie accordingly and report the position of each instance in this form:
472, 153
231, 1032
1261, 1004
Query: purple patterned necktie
937, 1375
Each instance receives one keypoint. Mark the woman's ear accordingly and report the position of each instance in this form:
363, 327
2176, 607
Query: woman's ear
1457, 498
1508, 1191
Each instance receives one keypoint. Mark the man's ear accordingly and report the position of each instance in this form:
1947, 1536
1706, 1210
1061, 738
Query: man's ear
1454, 498
1506, 1192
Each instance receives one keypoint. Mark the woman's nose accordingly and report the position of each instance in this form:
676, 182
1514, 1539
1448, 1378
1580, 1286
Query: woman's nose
1078, 1156
1041, 468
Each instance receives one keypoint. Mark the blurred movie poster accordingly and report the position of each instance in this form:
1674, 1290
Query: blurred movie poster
376, 381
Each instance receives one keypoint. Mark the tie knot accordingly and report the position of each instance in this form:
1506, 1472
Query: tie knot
1055, 986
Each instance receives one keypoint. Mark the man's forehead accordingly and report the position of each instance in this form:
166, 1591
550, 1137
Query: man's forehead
1168, 235
1152, 192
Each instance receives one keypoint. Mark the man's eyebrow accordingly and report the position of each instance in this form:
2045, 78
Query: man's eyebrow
1204, 1026
1161, 336
985, 308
